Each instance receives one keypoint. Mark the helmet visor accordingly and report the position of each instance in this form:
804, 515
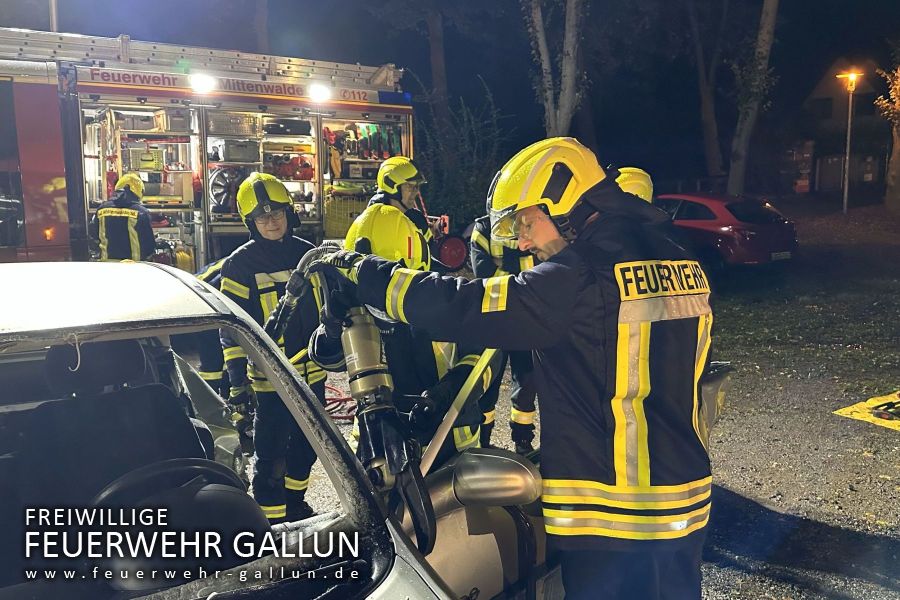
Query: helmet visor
504, 224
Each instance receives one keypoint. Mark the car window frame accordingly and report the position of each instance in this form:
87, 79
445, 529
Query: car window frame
361, 509
685, 202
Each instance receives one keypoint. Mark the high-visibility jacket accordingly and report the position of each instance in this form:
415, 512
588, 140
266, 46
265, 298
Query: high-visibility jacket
620, 322
122, 226
209, 347
418, 363
255, 276
493, 258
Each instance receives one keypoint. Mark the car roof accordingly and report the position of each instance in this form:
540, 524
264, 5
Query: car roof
704, 198
63, 295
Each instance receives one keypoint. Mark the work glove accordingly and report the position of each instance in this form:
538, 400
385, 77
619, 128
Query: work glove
241, 401
423, 413
343, 263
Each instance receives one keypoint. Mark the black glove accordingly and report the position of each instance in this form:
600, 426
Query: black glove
241, 402
334, 326
423, 413
510, 260
344, 264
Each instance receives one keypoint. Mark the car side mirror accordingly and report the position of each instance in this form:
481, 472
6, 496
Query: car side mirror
495, 477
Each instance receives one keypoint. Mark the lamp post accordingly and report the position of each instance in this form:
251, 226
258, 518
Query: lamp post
54, 17
851, 77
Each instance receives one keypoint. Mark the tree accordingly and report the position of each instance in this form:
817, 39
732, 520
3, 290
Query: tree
889, 107
707, 70
753, 82
559, 93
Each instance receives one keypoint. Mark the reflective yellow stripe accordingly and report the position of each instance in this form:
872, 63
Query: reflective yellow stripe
297, 485
267, 280
396, 292
469, 359
297, 358
466, 437
479, 239
233, 287
525, 263
261, 385
583, 491
233, 352
278, 511
630, 446
521, 417
489, 417
211, 271
634, 527
704, 327
643, 445
129, 213
496, 290
211, 375
134, 241
444, 354
268, 301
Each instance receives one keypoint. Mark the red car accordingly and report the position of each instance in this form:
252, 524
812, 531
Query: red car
731, 230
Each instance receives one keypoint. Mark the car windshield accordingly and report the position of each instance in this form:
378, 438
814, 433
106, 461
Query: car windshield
751, 211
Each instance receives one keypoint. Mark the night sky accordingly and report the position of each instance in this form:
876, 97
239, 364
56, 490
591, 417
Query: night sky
647, 117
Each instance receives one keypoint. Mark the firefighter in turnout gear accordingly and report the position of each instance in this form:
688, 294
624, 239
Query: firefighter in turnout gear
619, 319
209, 346
427, 374
254, 276
122, 223
398, 185
496, 258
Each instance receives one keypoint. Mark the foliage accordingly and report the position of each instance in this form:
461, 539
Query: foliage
889, 106
753, 82
460, 165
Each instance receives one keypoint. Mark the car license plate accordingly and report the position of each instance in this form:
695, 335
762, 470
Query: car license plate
781, 255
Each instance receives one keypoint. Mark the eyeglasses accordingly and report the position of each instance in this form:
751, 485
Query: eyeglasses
272, 217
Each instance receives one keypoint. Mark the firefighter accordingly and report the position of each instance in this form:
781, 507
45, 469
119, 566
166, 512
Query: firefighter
496, 258
427, 374
122, 223
619, 319
209, 347
399, 179
635, 180
254, 276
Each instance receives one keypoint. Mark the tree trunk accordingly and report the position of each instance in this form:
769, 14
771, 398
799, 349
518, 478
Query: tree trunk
261, 26
706, 88
568, 92
538, 37
892, 193
740, 145
440, 102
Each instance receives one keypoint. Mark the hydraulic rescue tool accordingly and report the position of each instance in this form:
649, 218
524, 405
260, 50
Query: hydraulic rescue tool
387, 450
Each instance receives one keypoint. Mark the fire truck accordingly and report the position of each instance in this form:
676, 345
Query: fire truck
78, 111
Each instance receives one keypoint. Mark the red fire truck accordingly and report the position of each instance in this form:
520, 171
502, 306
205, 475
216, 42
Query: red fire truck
77, 111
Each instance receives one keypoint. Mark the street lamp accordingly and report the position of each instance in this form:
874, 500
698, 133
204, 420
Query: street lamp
851, 77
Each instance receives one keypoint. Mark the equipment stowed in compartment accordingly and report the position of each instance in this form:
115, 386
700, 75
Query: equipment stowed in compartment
233, 124
276, 126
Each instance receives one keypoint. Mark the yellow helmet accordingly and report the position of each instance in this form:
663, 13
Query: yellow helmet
636, 181
553, 173
395, 171
133, 182
386, 232
261, 193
